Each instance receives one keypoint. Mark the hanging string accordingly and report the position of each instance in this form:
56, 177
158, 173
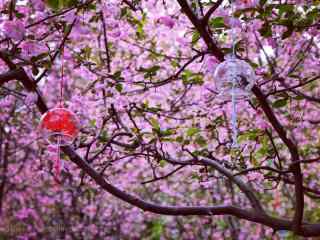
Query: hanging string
57, 162
62, 76
234, 82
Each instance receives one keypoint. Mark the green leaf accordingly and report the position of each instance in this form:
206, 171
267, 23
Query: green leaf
249, 135
60, 4
155, 124
162, 163
239, 12
194, 175
46, 64
117, 75
263, 151
139, 25
265, 30
174, 63
217, 22
70, 3
298, 98
189, 77
218, 121
179, 139
103, 136
125, 12
39, 57
262, 2
313, 14
186, 74
201, 141
119, 87
280, 103
167, 132
157, 228
192, 131
195, 37
140, 31
222, 224
150, 72
93, 122
285, 22
19, 15
54, 4
284, 8
86, 51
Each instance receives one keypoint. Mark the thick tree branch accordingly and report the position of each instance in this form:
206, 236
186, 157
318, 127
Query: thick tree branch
206, 17
202, 29
242, 186
11, 75
296, 169
254, 216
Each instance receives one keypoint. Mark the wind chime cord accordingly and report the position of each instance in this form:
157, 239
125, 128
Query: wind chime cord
234, 79
58, 160
62, 76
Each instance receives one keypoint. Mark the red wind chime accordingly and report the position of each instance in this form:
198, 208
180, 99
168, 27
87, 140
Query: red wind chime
59, 126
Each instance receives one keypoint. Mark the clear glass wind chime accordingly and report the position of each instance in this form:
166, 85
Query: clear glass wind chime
59, 126
234, 78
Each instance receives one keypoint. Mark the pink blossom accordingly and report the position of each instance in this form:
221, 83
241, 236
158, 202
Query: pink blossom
211, 63
167, 21
14, 29
233, 22
52, 148
38, 5
30, 49
31, 98
253, 176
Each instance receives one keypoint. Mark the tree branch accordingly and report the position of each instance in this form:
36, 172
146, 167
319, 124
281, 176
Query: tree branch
296, 169
206, 17
242, 186
254, 216
165, 176
106, 42
11, 75
202, 29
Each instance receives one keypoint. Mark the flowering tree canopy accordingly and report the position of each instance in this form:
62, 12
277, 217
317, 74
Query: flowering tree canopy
155, 140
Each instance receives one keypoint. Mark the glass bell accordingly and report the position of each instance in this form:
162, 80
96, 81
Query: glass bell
234, 69
59, 126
